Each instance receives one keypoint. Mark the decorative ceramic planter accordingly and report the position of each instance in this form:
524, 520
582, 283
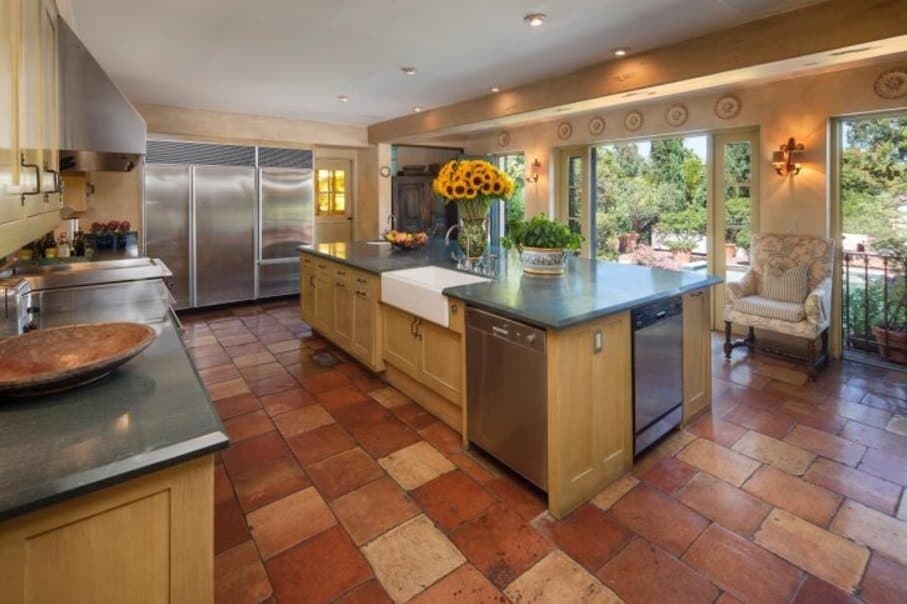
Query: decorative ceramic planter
730, 251
543, 261
628, 242
892, 344
683, 257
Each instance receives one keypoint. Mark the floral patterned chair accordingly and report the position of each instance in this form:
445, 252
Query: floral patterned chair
754, 301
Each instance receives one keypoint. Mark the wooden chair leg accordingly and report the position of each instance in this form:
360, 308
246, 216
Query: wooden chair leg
825, 348
751, 338
811, 356
728, 347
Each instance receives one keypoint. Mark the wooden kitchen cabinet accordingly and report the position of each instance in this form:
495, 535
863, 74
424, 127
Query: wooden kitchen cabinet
150, 539
697, 354
29, 122
341, 303
440, 363
590, 409
307, 293
401, 346
343, 313
323, 316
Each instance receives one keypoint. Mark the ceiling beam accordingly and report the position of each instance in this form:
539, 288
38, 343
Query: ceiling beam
818, 28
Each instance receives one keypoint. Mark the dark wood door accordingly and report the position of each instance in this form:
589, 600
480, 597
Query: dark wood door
413, 203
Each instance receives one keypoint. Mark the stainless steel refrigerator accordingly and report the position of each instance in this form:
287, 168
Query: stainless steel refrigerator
227, 229
286, 217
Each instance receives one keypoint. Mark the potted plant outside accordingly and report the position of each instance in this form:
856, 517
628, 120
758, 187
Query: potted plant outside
686, 228
543, 244
891, 331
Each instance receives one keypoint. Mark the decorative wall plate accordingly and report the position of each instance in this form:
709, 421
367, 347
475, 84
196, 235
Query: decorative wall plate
564, 130
633, 121
677, 115
504, 138
728, 106
892, 84
596, 125
384, 171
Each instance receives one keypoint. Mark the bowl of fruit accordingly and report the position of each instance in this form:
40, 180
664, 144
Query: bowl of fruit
401, 240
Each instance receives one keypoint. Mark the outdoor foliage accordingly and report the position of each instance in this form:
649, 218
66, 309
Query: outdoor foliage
636, 193
874, 177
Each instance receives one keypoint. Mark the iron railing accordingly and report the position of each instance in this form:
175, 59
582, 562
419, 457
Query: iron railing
874, 295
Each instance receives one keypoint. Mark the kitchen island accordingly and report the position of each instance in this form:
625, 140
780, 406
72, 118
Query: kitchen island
585, 315
106, 490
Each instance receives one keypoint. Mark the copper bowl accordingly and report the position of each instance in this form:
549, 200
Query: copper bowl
59, 358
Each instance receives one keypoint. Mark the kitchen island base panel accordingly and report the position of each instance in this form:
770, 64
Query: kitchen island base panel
150, 539
590, 410
435, 404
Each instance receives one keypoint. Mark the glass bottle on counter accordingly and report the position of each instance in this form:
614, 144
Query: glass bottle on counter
50, 246
78, 243
63, 248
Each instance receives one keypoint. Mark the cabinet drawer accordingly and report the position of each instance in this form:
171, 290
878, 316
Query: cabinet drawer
367, 283
307, 260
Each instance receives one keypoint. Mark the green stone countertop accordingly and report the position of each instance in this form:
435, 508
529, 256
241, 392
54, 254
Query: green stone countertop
588, 290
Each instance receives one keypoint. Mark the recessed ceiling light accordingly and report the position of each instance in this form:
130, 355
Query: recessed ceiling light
535, 19
408, 70
620, 52
417, 109
343, 98
495, 89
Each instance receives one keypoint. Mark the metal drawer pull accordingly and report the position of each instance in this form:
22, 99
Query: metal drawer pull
696, 294
37, 170
340, 284
598, 341
361, 293
341, 274
361, 280
500, 331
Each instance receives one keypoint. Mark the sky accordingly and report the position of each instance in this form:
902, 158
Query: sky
697, 144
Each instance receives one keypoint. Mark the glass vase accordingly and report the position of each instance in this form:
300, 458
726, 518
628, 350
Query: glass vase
473, 237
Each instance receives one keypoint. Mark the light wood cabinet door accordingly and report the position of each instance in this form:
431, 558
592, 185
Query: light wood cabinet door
307, 294
401, 346
697, 354
365, 310
30, 104
147, 540
323, 316
440, 361
590, 423
10, 204
343, 313
50, 121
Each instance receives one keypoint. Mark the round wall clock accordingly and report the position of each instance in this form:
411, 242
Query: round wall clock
504, 138
633, 121
728, 106
892, 84
564, 130
677, 115
384, 171
596, 126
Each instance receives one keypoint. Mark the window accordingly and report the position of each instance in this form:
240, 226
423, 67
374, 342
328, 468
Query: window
515, 166
331, 192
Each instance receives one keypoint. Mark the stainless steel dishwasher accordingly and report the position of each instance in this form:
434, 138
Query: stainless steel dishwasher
657, 371
506, 391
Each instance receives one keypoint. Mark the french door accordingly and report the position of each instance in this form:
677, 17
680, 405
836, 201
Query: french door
573, 189
734, 209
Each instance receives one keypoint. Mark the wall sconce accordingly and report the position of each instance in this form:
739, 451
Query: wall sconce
534, 170
787, 159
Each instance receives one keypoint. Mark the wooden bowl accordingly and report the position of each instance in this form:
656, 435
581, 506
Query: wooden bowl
59, 358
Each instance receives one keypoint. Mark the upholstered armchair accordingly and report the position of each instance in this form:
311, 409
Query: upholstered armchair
787, 290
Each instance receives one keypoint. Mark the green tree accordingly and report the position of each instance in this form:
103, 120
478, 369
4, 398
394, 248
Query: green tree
874, 177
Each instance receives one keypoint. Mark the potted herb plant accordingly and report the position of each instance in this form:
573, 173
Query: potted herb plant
543, 244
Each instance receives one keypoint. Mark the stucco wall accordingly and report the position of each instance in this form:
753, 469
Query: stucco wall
800, 107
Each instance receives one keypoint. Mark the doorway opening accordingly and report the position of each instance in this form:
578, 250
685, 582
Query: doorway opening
873, 211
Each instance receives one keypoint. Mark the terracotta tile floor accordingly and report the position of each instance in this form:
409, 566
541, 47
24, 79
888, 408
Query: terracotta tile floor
338, 488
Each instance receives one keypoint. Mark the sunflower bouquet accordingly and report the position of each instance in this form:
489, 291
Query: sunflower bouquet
473, 185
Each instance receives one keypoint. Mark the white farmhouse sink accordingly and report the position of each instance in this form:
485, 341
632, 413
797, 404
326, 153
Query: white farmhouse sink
418, 290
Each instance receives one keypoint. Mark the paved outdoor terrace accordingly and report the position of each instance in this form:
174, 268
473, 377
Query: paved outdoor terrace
337, 488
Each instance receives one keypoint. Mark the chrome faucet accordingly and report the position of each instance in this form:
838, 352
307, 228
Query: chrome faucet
391, 222
458, 259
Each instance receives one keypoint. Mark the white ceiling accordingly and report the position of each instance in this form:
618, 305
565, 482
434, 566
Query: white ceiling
292, 58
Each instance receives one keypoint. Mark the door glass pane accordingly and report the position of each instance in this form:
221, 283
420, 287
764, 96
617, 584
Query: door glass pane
737, 207
339, 203
339, 181
650, 202
575, 194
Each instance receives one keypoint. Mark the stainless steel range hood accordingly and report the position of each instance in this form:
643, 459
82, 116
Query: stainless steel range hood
99, 129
